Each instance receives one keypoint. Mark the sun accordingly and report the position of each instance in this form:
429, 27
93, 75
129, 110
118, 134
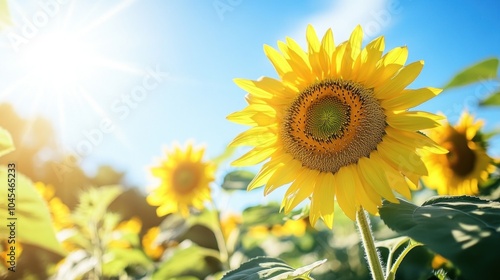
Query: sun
70, 68
59, 62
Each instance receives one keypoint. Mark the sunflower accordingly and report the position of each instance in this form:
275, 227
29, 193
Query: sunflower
151, 247
185, 181
336, 125
59, 212
467, 164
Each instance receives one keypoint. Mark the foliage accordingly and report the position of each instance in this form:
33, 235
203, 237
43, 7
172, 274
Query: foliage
462, 229
270, 268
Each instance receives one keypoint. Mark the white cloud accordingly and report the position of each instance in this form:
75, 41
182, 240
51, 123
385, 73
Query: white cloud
344, 15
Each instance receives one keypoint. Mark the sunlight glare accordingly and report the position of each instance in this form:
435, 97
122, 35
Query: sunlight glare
58, 62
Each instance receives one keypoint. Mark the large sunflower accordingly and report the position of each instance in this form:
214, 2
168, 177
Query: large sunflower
336, 125
185, 181
465, 166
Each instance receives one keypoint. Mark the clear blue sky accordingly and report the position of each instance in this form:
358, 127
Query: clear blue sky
107, 47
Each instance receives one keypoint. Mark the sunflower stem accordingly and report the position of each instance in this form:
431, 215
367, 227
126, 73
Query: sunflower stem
221, 241
371, 251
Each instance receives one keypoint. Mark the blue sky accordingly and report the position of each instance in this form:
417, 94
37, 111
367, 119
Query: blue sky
179, 58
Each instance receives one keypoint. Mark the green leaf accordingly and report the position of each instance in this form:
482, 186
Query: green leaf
394, 243
492, 100
33, 224
6, 143
189, 260
117, 259
237, 180
267, 215
270, 268
463, 229
94, 204
484, 70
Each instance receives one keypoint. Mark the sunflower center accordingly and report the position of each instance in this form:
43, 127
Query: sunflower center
185, 178
326, 118
461, 158
332, 124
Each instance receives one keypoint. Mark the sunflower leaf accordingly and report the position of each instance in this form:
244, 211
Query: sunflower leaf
270, 268
492, 100
481, 71
189, 259
463, 229
118, 259
237, 180
263, 215
29, 214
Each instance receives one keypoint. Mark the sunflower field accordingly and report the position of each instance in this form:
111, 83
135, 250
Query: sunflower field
338, 170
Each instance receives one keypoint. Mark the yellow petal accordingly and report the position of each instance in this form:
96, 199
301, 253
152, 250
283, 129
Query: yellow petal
286, 173
324, 193
410, 98
400, 81
256, 136
368, 59
413, 121
401, 158
355, 42
312, 39
263, 176
366, 196
278, 61
375, 177
300, 189
337, 60
255, 156
345, 191
415, 140
252, 87
395, 179
389, 65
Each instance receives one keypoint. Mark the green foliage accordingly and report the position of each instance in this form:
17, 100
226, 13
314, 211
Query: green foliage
94, 204
270, 268
266, 215
32, 215
492, 100
189, 260
121, 258
484, 70
237, 180
102, 245
463, 229
393, 245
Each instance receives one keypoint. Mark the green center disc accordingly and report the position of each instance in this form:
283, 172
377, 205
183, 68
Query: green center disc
326, 118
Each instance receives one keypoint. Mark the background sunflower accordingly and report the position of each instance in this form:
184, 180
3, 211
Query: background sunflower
184, 181
466, 166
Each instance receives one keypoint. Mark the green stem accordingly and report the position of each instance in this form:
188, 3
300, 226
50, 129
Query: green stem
221, 241
97, 249
389, 264
369, 245
392, 273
